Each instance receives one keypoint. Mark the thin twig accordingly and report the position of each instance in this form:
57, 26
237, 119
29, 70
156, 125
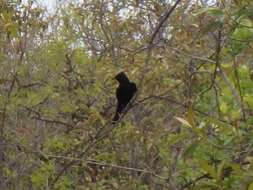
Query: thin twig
217, 63
163, 20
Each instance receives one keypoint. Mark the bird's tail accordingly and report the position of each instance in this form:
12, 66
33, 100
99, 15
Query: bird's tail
116, 116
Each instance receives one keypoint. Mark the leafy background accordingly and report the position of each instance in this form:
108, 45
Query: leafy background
190, 126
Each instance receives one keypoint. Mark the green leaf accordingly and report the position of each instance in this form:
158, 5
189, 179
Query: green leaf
208, 168
244, 31
224, 107
189, 151
63, 184
250, 186
67, 107
237, 169
212, 11
220, 173
41, 175
249, 99
190, 116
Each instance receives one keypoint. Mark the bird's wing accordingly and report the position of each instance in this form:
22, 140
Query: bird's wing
134, 87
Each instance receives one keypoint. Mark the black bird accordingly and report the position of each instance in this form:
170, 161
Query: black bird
124, 93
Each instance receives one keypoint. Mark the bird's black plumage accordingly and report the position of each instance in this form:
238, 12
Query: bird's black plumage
124, 93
